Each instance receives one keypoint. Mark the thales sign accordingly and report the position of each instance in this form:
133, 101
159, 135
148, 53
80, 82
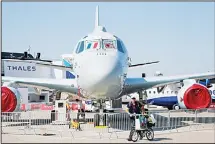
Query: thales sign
21, 68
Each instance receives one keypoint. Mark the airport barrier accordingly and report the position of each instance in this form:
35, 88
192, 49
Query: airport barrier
65, 124
42, 106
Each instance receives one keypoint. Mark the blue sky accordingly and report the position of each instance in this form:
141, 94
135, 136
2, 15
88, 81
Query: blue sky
180, 35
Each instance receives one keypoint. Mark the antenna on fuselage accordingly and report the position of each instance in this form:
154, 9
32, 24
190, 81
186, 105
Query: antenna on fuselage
97, 17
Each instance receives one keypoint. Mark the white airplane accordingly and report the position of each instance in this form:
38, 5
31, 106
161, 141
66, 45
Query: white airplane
101, 63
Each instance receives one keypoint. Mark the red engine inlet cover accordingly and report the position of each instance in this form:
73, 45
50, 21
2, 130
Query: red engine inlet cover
197, 97
8, 100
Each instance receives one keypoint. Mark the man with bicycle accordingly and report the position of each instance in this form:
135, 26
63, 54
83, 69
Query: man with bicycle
134, 107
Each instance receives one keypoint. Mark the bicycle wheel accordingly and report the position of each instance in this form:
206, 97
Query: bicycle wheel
149, 134
134, 135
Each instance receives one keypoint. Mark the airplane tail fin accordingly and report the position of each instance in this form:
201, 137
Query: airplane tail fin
97, 17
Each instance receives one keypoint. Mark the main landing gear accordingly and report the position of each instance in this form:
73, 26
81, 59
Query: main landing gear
101, 119
174, 107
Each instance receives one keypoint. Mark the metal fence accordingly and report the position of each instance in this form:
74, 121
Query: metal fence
63, 124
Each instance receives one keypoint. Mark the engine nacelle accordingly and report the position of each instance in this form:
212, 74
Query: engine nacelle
10, 99
194, 96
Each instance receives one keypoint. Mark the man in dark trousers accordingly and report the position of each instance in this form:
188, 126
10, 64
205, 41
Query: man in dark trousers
134, 107
81, 110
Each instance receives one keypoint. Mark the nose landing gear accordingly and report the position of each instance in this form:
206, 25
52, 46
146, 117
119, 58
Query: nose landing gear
100, 119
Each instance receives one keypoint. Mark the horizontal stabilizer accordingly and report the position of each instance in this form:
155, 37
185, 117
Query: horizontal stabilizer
140, 64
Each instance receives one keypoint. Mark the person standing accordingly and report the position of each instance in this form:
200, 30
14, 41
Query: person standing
81, 110
134, 107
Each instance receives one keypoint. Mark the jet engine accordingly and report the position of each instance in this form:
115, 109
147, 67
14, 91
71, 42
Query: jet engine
10, 99
193, 95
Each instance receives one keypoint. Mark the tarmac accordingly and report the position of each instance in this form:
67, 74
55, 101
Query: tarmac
203, 136
187, 114
62, 134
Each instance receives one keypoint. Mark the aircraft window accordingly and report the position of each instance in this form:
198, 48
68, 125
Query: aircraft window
109, 44
80, 47
119, 46
214, 92
149, 91
154, 92
163, 92
172, 92
77, 48
92, 44
167, 91
176, 92
123, 45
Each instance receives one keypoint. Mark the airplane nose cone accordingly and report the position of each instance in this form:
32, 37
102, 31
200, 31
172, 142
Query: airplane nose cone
100, 74
102, 69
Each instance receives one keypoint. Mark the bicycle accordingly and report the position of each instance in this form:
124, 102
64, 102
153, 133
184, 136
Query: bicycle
144, 131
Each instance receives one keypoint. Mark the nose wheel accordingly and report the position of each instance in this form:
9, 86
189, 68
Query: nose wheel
100, 119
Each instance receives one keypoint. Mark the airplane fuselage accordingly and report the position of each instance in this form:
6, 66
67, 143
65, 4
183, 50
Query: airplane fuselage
100, 71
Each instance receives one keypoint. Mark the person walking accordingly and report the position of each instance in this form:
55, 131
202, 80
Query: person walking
134, 107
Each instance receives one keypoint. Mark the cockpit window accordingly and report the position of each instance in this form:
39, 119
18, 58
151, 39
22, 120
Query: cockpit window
80, 47
120, 46
93, 44
109, 44
97, 44
77, 48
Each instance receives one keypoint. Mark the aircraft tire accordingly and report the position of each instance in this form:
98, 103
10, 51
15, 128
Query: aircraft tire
52, 115
176, 107
105, 119
96, 120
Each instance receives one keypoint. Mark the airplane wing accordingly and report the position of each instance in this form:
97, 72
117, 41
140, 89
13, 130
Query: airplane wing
140, 64
135, 84
64, 85
61, 67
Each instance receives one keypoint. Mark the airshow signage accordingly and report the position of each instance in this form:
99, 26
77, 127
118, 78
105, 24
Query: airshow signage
23, 69
20, 69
